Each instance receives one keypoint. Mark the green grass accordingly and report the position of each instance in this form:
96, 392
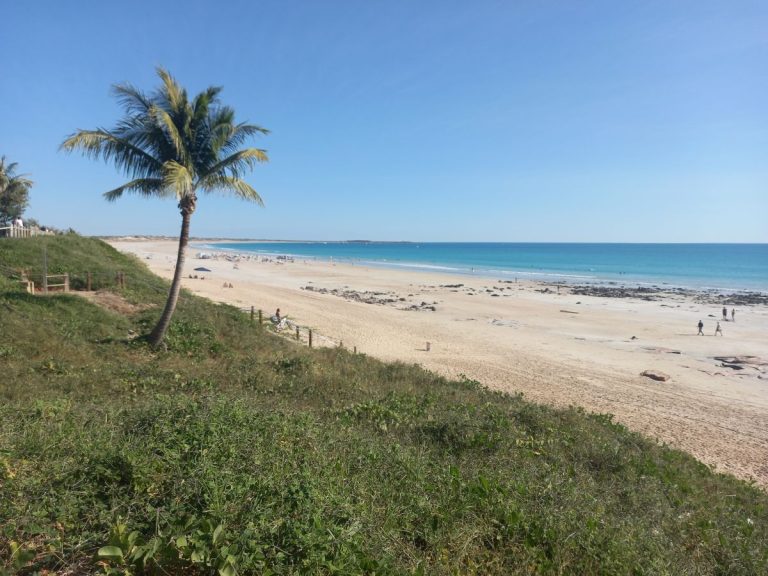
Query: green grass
236, 451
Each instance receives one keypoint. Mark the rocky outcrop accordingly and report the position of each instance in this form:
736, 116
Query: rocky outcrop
655, 375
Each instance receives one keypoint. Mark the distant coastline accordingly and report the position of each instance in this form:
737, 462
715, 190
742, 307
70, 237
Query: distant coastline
129, 237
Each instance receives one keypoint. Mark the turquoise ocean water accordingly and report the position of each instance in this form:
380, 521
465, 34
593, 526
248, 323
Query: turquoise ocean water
701, 266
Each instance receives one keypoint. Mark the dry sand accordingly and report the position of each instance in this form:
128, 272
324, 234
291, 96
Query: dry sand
559, 349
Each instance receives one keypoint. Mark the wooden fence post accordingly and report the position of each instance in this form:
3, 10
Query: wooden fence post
310, 337
66, 282
88, 281
297, 333
45, 270
260, 317
253, 313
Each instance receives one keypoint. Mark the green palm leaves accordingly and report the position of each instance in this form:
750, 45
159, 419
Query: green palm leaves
172, 147
14, 191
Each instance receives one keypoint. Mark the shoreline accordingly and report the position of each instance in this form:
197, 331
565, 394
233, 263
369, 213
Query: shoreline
554, 277
728, 296
567, 277
562, 349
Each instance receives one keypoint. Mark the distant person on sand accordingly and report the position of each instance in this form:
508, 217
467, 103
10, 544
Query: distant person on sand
725, 313
701, 328
718, 330
276, 318
733, 314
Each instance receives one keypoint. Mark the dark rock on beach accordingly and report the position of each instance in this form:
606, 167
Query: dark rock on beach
655, 375
371, 297
743, 299
754, 363
365, 296
641, 292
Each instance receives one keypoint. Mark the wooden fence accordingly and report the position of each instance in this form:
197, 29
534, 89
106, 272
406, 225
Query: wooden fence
292, 331
41, 283
23, 232
60, 284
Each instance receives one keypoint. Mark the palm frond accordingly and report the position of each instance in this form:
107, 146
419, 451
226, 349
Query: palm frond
103, 144
171, 130
140, 131
20, 180
178, 178
173, 94
8, 169
220, 126
149, 187
131, 98
241, 133
236, 163
204, 101
236, 186
9, 178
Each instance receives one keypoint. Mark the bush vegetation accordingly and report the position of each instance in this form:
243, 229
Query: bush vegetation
234, 451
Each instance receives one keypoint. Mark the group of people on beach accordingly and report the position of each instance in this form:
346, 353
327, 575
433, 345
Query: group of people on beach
718, 328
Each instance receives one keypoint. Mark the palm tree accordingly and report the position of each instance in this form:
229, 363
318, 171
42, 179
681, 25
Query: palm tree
14, 191
173, 147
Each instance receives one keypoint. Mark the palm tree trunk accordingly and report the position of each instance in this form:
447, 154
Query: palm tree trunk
158, 333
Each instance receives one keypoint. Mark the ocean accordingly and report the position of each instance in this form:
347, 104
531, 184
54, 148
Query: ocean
725, 267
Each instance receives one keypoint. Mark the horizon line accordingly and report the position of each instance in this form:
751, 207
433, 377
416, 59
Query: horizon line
367, 241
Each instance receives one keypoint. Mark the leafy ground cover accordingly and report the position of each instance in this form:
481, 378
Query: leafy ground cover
234, 451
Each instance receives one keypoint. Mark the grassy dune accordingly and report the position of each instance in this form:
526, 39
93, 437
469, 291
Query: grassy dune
234, 451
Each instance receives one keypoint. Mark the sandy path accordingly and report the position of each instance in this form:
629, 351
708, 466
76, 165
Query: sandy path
559, 349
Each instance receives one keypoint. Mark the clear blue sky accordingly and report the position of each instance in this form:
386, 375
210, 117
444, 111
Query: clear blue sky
421, 120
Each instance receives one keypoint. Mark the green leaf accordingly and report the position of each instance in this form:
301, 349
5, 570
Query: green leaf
181, 542
110, 552
217, 533
228, 570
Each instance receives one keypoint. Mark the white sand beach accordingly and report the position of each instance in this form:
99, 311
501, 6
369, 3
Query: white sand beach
556, 348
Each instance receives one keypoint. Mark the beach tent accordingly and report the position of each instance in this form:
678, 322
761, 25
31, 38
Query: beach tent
202, 269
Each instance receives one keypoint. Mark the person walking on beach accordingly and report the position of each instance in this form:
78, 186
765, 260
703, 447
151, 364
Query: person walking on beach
733, 314
701, 328
725, 314
718, 330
